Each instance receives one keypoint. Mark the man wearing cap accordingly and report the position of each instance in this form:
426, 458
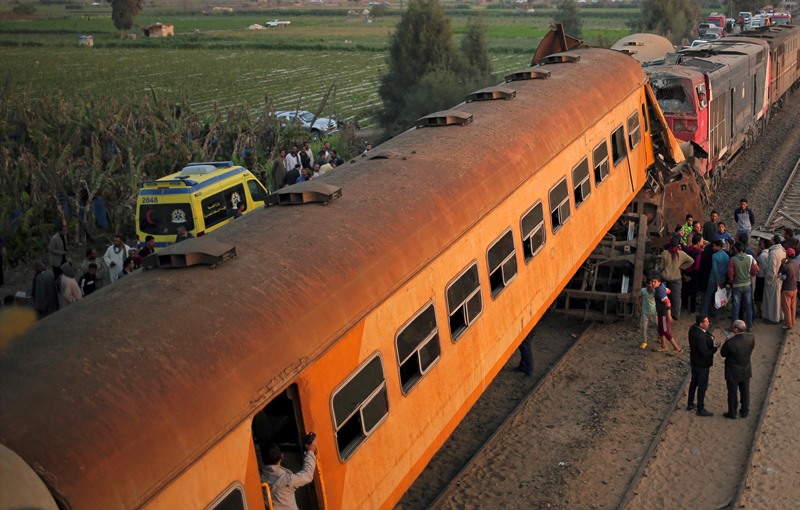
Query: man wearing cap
789, 272
745, 219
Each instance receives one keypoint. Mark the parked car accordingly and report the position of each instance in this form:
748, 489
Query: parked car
698, 42
277, 23
756, 21
713, 33
744, 18
322, 126
702, 27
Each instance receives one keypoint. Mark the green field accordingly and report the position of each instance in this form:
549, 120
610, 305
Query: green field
215, 60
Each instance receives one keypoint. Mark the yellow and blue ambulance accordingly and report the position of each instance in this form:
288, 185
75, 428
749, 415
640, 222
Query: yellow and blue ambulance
202, 197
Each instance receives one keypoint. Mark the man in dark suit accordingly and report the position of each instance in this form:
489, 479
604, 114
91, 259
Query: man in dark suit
701, 351
737, 351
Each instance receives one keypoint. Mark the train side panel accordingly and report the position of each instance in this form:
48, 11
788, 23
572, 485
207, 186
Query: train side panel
229, 469
471, 229
420, 419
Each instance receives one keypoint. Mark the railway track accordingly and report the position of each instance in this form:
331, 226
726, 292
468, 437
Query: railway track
724, 488
786, 212
541, 455
508, 422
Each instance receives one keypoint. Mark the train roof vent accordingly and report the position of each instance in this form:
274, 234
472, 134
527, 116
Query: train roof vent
305, 193
381, 154
528, 74
561, 58
191, 252
489, 93
445, 118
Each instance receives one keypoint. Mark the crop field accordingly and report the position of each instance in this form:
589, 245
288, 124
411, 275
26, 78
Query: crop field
214, 61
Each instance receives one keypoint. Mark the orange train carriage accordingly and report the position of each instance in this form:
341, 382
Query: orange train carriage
375, 321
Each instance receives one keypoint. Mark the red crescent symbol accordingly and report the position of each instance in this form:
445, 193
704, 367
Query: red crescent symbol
147, 217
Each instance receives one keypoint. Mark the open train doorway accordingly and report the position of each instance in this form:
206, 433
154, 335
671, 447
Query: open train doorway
281, 422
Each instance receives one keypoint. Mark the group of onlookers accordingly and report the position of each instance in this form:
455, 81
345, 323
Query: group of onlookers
708, 260
58, 286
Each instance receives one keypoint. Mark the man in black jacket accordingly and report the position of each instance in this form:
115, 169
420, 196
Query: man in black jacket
737, 351
701, 352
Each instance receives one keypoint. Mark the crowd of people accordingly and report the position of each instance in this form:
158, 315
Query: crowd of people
300, 165
706, 270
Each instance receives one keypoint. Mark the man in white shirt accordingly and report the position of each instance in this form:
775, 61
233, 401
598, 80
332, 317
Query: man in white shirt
115, 256
282, 482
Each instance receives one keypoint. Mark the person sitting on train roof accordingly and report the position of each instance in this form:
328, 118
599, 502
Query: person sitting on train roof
282, 482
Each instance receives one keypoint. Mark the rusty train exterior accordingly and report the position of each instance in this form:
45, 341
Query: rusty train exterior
720, 95
375, 321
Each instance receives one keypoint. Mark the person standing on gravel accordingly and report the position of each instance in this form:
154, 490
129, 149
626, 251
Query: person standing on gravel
710, 227
717, 277
664, 312
789, 274
648, 307
701, 351
771, 308
674, 260
745, 219
738, 371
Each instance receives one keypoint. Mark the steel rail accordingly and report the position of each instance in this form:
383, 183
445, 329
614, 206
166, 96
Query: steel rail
790, 190
631, 491
760, 425
546, 377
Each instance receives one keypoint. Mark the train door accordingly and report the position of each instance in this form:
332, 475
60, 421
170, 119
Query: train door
281, 423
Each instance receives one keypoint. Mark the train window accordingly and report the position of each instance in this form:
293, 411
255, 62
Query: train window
417, 347
580, 182
359, 405
231, 499
533, 233
600, 159
618, 151
502, 263
634, 135
559, 204
464, 302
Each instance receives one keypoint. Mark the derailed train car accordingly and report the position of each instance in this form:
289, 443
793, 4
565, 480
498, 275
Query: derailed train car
375, 321
718, 96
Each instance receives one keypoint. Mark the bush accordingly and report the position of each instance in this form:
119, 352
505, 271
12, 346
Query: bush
59, 155
24, 10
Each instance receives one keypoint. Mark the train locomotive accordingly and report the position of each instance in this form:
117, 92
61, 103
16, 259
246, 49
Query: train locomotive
719, 96
375, 321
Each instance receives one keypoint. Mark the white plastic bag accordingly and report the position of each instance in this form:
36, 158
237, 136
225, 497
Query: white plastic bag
721, 297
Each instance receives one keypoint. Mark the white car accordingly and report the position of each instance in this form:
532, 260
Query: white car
322, 126
277, 23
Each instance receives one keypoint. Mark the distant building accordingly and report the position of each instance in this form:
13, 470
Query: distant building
158, 30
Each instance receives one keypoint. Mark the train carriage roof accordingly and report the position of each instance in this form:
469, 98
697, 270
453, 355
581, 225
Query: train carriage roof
117, 394
775, 35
